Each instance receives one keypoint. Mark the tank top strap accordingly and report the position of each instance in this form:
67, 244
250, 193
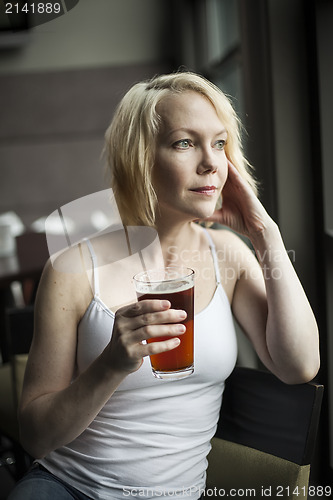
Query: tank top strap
94, 267
214, 256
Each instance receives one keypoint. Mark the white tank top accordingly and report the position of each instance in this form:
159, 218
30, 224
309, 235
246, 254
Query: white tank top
152, 437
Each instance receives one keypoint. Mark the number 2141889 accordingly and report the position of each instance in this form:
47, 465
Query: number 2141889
32, 8
313, 491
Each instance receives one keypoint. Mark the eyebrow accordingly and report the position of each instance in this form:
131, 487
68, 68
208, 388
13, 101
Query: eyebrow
191, 131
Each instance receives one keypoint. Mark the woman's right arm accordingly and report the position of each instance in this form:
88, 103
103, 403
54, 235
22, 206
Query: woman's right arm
53, 409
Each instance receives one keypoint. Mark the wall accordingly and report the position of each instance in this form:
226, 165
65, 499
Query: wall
95, 34
304, 171
59, 92
292, 138
325, 48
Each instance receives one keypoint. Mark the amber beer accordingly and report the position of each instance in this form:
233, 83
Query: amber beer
177, 286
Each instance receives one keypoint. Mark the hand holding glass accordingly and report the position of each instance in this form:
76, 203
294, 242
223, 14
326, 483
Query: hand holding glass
175, 284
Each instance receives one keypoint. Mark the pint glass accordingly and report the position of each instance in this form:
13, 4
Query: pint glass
175, 284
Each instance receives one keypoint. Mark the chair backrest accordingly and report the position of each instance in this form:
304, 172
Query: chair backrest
264, 413
266, 433
20, 326
19, 332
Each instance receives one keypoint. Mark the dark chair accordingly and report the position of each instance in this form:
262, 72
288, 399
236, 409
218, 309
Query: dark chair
265, 437
19, 332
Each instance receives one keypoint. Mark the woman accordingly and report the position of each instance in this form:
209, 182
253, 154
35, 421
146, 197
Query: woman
97, 421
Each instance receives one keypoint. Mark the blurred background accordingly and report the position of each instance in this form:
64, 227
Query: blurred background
61, 78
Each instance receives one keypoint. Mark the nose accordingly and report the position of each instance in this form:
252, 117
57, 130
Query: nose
208, 161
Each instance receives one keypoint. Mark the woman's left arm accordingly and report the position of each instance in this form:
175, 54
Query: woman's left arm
270, 305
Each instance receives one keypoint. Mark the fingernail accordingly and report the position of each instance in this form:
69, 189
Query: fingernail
165, 304
180, 328
176, 341
182, 314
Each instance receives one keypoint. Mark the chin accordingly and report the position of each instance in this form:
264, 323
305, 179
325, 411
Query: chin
192, 212
208, 212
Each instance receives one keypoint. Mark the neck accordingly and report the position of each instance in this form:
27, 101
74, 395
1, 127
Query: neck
174, 238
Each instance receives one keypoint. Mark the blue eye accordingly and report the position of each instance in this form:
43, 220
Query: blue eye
183, 144
220, 144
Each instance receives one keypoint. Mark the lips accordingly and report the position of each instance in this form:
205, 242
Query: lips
207, 190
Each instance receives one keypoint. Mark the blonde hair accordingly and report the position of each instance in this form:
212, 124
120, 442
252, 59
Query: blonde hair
131, 138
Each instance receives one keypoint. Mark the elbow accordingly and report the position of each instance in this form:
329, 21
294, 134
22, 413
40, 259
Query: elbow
303, 374
311, 372
31, 446
311, 367
35, 450
31, 441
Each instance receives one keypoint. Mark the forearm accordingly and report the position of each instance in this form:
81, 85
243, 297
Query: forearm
55, 419
291, 329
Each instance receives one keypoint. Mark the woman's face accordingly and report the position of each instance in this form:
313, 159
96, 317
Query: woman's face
190, 167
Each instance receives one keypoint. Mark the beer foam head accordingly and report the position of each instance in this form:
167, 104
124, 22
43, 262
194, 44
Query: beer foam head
164, 280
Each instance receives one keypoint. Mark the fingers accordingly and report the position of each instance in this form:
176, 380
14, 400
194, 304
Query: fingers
231, 166
152, 311
235, 180
237, 183
234, 170
158, 347
142, 329
156, 331
144, 306
145, 320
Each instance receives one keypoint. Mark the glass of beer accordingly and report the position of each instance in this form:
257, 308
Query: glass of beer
175, 284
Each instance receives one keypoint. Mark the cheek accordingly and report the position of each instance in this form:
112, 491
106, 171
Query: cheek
159, 172
163, 180
167, 172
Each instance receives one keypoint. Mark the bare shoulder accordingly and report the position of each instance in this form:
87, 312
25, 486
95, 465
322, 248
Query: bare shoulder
231, 248
64, 284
